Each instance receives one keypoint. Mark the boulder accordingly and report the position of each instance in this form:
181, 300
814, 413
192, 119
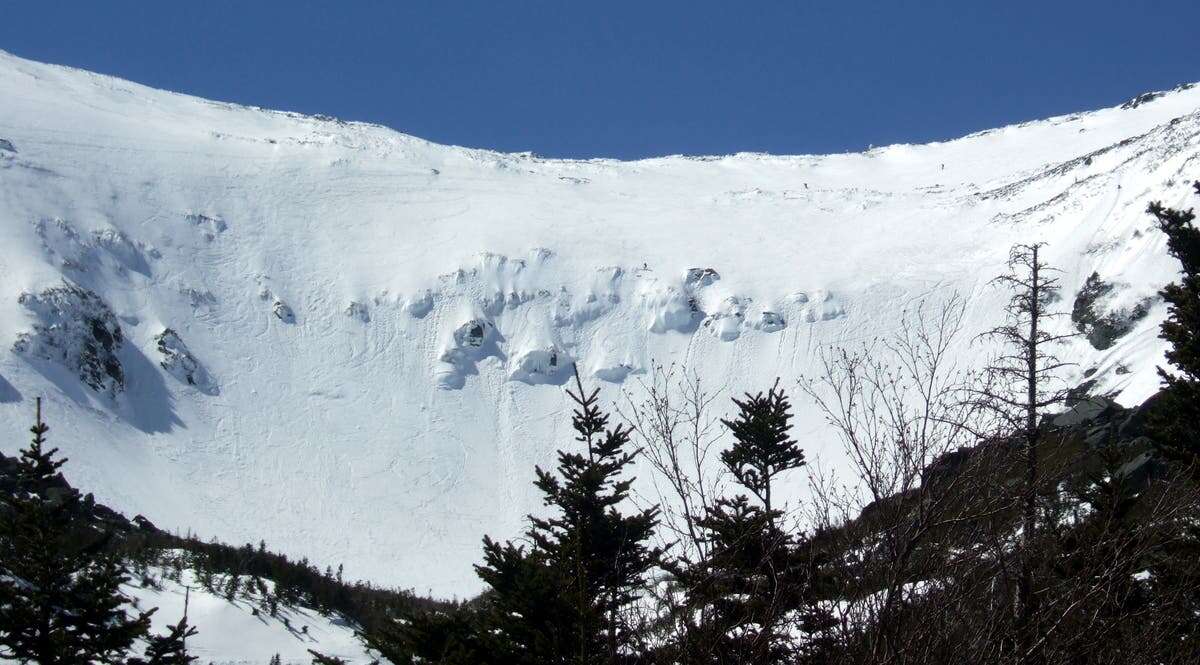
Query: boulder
473, 334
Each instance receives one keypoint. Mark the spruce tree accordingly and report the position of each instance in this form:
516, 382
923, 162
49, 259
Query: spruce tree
533, 611
1176, 412
565, 597
1092, 560
739, 592
452, 636
169, 648
754, 586
762, 450
60, 591
233, 584
1175, 416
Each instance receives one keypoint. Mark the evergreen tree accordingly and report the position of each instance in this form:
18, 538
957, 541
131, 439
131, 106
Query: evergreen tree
753, 586
739, 593
60, 592
762, 450
169, 648
1178, 410
532, 609
565, 598
455, 636
232, 585
1092, 565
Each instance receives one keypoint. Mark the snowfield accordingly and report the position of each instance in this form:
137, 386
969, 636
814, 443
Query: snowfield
230, 632
352, 343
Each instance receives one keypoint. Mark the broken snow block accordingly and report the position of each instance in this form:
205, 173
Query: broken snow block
615, 373
671, 309
283, 312
540, 366
420, 305
700, 277
726, 323
771, 322
358, 310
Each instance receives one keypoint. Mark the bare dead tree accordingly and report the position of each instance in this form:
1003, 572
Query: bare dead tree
963, 532
672, 415
675, 427
1018, 386
896, 406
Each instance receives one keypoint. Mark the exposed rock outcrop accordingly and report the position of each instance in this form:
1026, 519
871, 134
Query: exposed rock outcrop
179, 362
75, 329
211, 225
88, 252
1103, 328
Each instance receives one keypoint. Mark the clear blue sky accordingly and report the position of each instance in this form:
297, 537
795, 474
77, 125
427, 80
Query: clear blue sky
634, 79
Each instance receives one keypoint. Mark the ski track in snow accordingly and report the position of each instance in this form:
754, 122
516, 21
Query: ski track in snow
386, 444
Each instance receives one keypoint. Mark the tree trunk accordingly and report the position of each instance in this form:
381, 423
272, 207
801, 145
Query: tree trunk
1026, 602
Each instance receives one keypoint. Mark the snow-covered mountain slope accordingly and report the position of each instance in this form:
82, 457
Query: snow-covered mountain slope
242, 630
368, 332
